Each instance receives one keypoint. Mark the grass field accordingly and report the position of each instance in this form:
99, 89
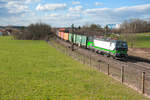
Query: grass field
141, 40
33, 70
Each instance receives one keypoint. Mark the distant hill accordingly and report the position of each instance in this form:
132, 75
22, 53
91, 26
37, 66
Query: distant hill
17, 27
1, 26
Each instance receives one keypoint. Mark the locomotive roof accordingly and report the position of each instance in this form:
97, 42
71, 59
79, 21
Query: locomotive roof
109, 40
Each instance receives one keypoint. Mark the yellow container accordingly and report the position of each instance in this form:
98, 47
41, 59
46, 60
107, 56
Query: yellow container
66, 36
59, 34
62, 35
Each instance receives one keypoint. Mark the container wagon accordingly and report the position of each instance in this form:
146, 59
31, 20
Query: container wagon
83, 41
78, 40
74, 38
62, 35
70, 37
66, 36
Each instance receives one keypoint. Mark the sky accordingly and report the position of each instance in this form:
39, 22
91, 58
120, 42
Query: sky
63, 13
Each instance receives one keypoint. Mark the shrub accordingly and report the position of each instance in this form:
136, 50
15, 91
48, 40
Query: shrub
38, 31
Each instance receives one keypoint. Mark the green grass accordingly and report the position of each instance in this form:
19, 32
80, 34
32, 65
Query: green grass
33, 70
141, 40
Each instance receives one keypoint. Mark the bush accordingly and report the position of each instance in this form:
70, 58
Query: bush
38, 31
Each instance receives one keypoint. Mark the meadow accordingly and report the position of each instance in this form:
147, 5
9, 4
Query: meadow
140, 40
143, 40
33, 70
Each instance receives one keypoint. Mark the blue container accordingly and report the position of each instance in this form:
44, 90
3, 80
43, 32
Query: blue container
1, 33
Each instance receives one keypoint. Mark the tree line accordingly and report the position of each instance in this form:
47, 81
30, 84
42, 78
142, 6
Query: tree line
135, 26
40, 31
128, 26
37, 31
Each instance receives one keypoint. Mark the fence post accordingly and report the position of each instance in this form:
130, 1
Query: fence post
84, 59
65, 50
69, 52
108, 70
143, 82
122, 74
72, 54
90, 60
79, 56
99, 67
75, 55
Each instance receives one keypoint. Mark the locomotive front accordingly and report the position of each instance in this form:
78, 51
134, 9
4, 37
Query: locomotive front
121, 49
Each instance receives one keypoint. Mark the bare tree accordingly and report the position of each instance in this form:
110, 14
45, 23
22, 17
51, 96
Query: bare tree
38, 31
135, 26
93, 29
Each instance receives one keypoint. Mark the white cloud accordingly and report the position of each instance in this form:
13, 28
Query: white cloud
98, 3
117, 15
16, 12
14, 21
16, 7
62, 19
70, 15
121, 13
50, 7
76, 9
75, 14
21, 1
75, 2
54, 15
30, 1
136, 8
60, 16
95, 10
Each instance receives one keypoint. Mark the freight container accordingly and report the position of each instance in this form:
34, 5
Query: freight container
62, 35
0, 33
78, 40
59, 34
62, 29
83, 40
74, 38
66, 36
70, 37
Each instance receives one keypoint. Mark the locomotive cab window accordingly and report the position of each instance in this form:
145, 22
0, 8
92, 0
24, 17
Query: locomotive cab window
121, 45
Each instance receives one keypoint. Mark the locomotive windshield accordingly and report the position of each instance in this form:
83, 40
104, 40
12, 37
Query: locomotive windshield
121, 44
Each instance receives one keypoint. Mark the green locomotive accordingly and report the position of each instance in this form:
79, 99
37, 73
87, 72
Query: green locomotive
114, 48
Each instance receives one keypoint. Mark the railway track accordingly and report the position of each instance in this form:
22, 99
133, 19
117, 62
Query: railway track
136, 62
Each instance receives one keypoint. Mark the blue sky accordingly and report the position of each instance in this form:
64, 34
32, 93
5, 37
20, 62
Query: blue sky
60, 13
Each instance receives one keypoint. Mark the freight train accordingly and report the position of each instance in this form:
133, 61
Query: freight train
109, 47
